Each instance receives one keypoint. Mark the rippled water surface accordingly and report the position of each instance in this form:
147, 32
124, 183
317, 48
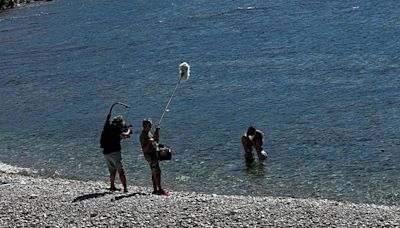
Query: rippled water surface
320, 78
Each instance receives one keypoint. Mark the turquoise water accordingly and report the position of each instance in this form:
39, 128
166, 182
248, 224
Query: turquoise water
320, 78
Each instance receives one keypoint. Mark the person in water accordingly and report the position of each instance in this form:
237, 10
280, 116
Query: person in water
110, 141
149, 143
253, 138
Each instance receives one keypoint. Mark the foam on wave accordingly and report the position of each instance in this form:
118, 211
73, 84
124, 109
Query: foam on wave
5, 168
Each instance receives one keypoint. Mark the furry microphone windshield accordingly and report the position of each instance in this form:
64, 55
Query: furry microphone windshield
184, 70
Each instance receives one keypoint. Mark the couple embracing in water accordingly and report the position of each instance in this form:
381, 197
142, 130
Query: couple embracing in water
253, 138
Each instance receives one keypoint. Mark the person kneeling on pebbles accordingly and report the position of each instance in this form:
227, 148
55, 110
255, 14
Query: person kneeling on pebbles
253, 138
110, 141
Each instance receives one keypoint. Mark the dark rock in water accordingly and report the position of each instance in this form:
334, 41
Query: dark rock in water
8, 4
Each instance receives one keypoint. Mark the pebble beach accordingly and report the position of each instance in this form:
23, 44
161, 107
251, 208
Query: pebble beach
34, 201
326, 86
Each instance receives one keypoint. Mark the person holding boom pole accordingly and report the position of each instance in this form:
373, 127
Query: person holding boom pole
149, 142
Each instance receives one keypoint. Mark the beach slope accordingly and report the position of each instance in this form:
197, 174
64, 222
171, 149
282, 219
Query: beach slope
34, 201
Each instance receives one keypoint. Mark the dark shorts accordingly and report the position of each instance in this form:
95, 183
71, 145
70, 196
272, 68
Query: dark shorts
248, 155
151, 158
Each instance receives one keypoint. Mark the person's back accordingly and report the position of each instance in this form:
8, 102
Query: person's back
111, 139
258, 144
258, 139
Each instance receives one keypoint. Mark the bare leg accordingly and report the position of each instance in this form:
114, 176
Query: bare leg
153, 179
158, 180
122, 177
112, 181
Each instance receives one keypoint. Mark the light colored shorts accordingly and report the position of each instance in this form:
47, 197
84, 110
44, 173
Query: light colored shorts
114, 162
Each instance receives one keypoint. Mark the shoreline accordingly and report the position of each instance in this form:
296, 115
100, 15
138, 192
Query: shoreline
55, 202
9, 4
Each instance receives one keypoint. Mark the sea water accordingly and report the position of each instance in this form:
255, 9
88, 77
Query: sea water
319, 78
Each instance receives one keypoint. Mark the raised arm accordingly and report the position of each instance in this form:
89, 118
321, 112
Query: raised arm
107, 120
157, 134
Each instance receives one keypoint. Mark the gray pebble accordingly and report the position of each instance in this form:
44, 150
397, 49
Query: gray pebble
29, 202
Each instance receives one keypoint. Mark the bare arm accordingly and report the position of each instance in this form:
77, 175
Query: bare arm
157, 134
246, 143
125, 135
259, 146
146, 142
258, 138
148, 145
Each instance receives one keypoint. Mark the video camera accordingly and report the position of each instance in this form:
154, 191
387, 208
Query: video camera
120, 123
127, 128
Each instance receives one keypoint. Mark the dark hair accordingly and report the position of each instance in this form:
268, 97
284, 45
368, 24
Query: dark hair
118, 120
251, 129
147, 122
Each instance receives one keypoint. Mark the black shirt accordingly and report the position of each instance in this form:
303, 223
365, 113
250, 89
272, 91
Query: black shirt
110, 138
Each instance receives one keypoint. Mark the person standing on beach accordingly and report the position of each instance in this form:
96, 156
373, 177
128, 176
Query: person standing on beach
110, 141
253, 138
149, 143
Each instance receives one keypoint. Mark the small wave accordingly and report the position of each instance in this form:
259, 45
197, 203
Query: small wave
26, 17
43, 173
10, 169
183, 178
5, 168
223, 13
246, 8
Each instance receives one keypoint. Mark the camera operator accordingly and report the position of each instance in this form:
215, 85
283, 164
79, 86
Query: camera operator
110, 141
